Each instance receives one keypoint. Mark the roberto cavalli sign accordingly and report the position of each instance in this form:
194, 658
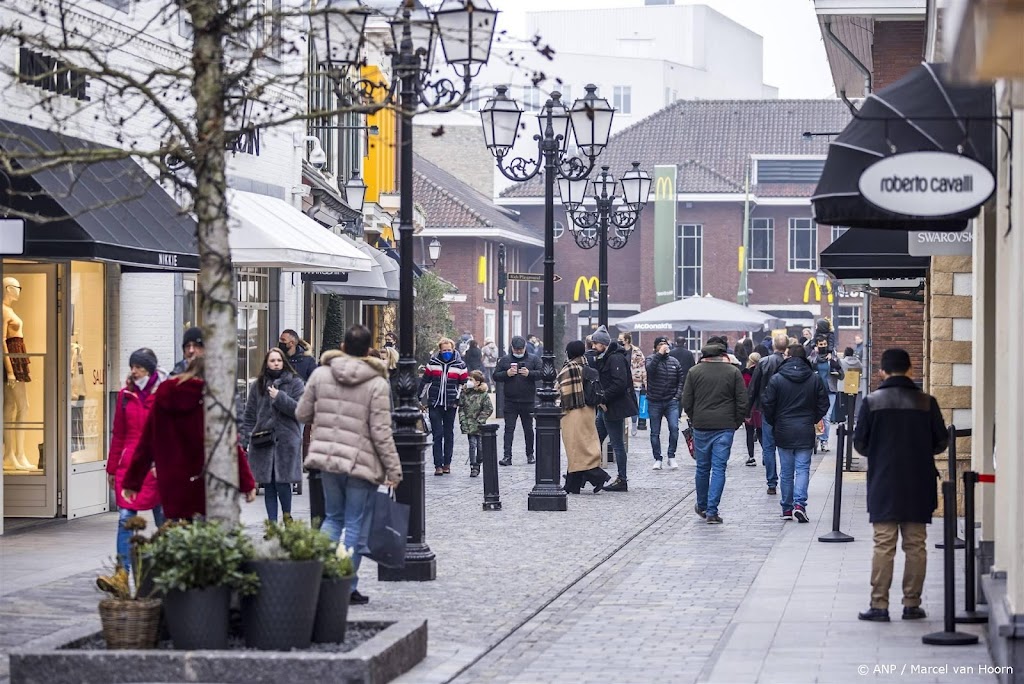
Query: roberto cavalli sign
927, 184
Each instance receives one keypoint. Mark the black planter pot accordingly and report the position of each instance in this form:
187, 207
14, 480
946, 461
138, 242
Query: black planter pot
198, 618
332, 611
280, 616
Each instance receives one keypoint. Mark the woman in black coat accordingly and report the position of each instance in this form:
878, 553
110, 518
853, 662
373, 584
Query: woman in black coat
271, 433
474, 357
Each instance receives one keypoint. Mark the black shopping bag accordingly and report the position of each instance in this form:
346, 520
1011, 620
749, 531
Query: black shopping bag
688, 436
389, 529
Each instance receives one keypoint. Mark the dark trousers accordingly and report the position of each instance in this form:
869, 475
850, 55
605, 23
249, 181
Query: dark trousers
753, 436
523, 411
442, 430
612, 430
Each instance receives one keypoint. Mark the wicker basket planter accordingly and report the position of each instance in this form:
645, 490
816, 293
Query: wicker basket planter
130, 624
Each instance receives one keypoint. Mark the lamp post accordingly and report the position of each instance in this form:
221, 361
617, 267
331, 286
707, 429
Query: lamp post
590, 120
594, 228
499, 391
465, 29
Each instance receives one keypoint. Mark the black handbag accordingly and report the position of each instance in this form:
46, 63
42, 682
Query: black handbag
263, 438
389, 529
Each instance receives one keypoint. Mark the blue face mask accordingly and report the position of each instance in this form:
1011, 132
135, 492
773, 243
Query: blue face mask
447, 356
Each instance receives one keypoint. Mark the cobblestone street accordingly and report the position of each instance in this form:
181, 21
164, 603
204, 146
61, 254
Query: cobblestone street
630, 587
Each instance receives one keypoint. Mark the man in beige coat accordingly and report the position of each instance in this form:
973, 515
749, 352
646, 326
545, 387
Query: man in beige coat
347, 400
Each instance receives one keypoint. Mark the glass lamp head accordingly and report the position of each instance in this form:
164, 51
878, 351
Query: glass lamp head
466, 29
591, 122
336, 30
500, 117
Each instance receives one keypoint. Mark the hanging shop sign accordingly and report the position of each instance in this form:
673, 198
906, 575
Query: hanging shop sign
927, 184
940, 242
12, 236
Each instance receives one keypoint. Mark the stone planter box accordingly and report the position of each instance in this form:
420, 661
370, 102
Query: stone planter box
58, 659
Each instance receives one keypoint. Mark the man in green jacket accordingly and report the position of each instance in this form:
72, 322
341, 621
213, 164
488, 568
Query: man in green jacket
715, 399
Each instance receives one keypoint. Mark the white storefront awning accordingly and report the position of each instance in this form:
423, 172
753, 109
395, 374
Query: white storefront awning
379, 283
270, 233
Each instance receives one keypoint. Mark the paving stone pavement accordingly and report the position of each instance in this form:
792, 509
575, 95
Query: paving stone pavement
621, 588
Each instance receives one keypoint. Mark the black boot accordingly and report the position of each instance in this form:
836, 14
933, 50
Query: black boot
619, 485
507, 461
598, 478
573, 482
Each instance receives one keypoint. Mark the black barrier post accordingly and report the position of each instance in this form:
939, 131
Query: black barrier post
949, 636
837, 500
492, 500
851, 415
958, 543
317, 508
970, 616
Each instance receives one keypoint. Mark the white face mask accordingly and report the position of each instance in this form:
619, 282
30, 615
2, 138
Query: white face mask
142, 382
471, 384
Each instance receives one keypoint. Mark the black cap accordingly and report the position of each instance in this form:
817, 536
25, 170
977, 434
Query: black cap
518, 342
658, 340
193, 336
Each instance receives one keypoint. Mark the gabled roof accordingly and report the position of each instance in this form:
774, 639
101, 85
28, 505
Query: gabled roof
711, 142
450, 203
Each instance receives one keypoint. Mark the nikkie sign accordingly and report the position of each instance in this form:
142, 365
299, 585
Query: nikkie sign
927, 184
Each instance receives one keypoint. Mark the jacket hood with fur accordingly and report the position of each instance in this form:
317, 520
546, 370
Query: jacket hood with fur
353, 370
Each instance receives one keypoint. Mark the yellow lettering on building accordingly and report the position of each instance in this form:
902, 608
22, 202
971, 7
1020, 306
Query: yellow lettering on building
587, 284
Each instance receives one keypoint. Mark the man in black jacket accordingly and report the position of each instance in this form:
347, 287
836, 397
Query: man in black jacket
665, 380
794, 401
683, 355
518, 372
900, 430
758, 382
620, 402
298, 355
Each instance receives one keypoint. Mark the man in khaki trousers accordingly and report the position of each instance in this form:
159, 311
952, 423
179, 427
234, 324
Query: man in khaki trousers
900, 430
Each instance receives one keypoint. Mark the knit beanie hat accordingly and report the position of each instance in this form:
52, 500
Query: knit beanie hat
601, 336
143, 358
575, 349
194, 336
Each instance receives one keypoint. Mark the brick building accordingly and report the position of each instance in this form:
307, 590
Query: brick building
713, 146
470, 228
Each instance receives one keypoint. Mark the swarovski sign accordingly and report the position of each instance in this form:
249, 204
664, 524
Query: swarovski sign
927, 184
940, 243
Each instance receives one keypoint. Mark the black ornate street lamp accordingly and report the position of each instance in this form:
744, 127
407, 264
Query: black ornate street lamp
465, 29
593, 227
590, 120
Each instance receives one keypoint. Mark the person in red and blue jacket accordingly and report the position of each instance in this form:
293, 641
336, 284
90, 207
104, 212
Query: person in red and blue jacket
443, 379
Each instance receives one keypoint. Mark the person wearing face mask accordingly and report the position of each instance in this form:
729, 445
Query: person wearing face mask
134, 402
518, 372
475, 409
664, 388
298, 354
443, 378
620, 403
271, 433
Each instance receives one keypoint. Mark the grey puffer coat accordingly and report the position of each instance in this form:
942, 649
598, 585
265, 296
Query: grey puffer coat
347, 400
281, 461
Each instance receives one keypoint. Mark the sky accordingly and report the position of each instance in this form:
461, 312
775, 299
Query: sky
794, 56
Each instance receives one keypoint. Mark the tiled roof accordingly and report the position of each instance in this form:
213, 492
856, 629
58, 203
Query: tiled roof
711, 141
450, 203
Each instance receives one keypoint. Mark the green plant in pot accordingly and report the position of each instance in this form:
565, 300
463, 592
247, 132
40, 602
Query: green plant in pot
197, 565
332, 604
289, 563
130, 618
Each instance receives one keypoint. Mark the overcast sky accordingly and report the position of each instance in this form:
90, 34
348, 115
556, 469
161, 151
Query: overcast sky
794, 57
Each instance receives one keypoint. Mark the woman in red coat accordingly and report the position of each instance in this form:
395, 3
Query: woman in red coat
173, 441
134, 402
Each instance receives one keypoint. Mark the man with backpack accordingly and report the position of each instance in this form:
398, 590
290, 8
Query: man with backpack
665, 381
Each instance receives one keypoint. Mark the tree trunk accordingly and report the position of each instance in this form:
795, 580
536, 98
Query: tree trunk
216, 276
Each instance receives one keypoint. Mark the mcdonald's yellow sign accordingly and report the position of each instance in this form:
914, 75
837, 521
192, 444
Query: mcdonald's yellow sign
588, 285
817, 290
664, 188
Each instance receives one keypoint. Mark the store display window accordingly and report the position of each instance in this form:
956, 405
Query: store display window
87, 365
253, 301
25, 336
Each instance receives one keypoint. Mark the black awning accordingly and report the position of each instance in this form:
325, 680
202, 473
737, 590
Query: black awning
872, 253
921, 112
108, 211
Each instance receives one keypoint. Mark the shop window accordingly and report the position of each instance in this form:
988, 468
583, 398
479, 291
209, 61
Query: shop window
190, 303
25, 346
689, 259
762, 245
803, 245
253, 301
87, 387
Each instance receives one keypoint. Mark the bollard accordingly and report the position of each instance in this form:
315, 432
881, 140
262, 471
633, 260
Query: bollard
970, 616
489, 444
958, 543
851, 415
317, 508
949, 636
835, 536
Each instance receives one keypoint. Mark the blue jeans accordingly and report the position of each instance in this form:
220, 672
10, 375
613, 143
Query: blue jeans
670, 410
442, 431
124, 537
796, 473
771, 466
612, 431
712, 448
274, 490
828, 416
348, 508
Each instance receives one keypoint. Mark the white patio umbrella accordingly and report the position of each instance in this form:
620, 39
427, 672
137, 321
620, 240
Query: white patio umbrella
700, 313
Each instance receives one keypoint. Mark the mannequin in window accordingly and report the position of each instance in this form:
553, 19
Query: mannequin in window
16, 375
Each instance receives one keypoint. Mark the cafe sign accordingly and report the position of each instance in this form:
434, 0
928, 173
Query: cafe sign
927, 184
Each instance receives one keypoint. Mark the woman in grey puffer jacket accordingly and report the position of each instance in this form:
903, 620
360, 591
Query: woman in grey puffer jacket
270, 432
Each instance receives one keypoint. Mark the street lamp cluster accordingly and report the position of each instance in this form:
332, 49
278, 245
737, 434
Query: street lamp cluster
465, 31
588, 122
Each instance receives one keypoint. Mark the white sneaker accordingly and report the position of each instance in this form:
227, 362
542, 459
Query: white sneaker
632, 431
672, 465
657, 465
